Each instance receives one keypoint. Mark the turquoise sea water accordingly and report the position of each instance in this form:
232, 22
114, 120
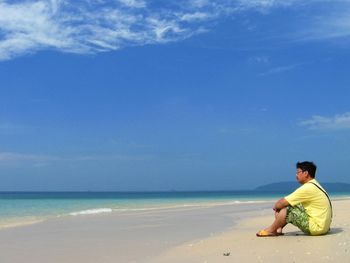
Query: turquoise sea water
18, 208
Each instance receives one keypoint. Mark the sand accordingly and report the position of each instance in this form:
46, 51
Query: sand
239, 244
186, 235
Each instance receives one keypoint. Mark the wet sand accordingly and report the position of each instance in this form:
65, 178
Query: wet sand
134, 236
188, 234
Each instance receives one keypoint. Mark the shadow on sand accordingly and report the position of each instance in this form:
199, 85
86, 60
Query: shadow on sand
333, 231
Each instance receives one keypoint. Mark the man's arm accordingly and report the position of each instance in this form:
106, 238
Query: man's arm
280, 204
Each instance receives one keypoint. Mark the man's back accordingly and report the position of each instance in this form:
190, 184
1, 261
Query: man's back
316, 204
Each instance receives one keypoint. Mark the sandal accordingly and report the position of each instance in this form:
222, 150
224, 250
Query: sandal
264, 233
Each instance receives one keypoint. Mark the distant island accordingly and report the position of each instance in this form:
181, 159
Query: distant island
291, 186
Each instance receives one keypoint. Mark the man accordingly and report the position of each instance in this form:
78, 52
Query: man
308, 207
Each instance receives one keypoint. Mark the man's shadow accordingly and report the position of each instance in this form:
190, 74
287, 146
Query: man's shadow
333, 231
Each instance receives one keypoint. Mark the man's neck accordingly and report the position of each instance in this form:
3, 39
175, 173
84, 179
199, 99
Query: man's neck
308, 180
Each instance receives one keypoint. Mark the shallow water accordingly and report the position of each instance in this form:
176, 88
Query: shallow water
18, 208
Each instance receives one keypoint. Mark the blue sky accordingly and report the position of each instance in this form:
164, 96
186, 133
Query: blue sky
130, 95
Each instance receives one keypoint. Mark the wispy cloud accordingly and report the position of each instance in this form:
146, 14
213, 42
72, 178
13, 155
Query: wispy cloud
332, 24
39, 160
264, 60
11, 128
11, 158
133, 3
280, 69
236, 131
90, 26
337, 122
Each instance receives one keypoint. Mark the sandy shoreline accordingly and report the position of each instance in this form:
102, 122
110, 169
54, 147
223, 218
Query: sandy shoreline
135, 236
294, 246
176, 235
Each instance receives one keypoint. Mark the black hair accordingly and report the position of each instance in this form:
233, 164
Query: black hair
310, 167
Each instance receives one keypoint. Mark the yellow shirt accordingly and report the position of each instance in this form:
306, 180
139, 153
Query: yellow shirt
316, 205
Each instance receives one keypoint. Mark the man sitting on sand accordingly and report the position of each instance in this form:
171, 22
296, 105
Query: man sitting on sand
308, 207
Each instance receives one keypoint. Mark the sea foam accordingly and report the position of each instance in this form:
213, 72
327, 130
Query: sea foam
92, 211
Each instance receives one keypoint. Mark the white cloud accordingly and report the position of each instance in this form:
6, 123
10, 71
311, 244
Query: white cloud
11, 128
11, 158
90, 26
280, 69
30, 26
133, 3
259, 60
330, 22
326, 28
337, 122
195, 16
199, 3
38, 160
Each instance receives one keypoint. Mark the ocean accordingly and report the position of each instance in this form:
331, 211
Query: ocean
21, 208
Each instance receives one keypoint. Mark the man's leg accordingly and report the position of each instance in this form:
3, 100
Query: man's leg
279, 223
297, 216
280, 229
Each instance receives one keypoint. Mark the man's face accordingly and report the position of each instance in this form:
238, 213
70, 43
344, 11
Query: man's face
301, 176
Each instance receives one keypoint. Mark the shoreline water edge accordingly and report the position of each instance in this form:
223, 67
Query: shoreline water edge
176, 231
23, 208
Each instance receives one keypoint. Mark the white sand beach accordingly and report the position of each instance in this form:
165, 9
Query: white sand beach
239, 244
188, 234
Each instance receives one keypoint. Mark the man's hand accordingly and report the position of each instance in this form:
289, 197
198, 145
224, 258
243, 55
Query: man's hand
282, 203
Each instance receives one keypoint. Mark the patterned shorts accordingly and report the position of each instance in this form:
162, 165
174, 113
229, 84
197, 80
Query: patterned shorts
297, 216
